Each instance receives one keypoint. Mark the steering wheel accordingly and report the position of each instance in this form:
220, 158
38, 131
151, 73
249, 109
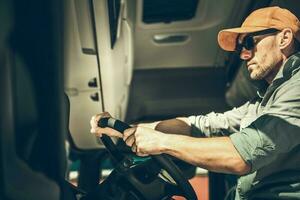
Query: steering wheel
175, 176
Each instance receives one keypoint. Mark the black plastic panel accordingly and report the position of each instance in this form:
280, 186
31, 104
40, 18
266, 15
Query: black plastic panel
156, 11
165, 93
114, 12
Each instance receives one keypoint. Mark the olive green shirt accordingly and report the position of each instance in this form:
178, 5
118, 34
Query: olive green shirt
266, 133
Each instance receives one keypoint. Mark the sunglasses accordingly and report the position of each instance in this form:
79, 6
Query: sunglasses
248, 42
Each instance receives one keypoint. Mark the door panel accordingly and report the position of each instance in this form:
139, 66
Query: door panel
82, 83
95, 66
83, 106
116, 64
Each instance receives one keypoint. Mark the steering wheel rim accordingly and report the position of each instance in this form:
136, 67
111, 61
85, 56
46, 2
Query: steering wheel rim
164, 162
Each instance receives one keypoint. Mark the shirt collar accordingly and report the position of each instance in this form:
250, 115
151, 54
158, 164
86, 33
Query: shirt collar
290, 67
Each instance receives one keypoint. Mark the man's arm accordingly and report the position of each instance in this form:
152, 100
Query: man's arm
179, 125
209, 125
215, 154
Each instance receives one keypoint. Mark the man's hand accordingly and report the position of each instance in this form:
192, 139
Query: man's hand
144, 141
95, 129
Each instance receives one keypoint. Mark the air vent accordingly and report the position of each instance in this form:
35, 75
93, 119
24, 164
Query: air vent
166, 11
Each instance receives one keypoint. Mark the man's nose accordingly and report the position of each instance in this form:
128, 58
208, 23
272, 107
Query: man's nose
245, 54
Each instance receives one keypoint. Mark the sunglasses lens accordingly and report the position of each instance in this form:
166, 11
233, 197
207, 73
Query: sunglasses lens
248, 43
238, 48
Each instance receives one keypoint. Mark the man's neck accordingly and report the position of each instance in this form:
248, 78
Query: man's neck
271, 76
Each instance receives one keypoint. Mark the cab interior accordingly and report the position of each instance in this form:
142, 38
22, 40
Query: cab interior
141, 60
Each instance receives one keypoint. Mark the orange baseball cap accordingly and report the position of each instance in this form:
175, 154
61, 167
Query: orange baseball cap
261, 19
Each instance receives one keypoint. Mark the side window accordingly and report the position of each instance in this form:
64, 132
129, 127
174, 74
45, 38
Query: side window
114, 14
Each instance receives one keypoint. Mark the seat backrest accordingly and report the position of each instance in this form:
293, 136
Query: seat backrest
32, 155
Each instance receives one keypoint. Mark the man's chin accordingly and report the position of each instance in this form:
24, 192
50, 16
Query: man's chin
256, 77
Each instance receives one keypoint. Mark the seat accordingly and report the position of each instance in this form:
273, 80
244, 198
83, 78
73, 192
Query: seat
32, 155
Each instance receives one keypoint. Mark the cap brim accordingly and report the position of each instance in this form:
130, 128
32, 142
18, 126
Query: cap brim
227, 37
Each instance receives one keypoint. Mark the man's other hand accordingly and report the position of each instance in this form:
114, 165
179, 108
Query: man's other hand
96, 130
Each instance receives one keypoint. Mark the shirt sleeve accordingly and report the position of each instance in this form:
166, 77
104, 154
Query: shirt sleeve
275, 132
218, 124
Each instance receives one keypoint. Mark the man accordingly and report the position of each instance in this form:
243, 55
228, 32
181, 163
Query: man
260, 141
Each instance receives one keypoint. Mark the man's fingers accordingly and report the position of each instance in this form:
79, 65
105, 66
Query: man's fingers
128, 132
142, 154
95, 119
138, 151
130, 140
105, 114
112, 132
107, 131
93, 122
133, 148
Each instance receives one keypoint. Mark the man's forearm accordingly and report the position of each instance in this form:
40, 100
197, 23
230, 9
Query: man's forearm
215, 154
179, 126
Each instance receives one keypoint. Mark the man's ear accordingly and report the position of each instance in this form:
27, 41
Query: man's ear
286, 39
